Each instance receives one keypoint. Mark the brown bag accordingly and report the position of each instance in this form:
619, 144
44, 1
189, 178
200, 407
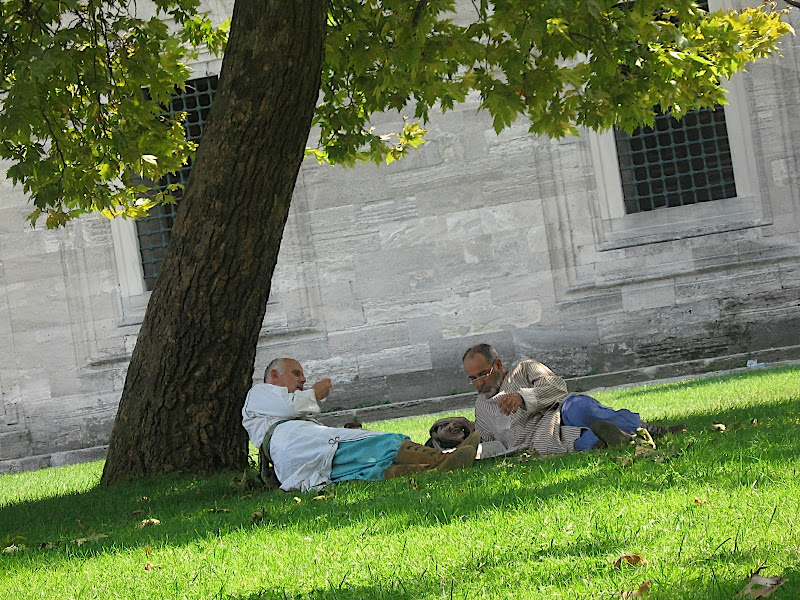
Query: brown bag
449, 432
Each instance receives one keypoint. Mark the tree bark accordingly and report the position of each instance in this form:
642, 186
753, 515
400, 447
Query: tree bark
180, 409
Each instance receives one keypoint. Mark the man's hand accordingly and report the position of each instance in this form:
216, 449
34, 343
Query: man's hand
510, 404
322, 388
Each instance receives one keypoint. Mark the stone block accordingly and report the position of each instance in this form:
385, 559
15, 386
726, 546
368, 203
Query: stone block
479, 318
5, 315
74, 457
785, 171
336, 269
726, 283
789, 276
441, 178
327, 187
547, 338
626, 267
601, 302
404, 359
387, 273
342, 369
387, 212
47, 296
520, 288
304, 348
648, 295
424, 330
508, 217
413, 232
30, 463
381, 310
368, 339
342, 308
454, 195
14, 444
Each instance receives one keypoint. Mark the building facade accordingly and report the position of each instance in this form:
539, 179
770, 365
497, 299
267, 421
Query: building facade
599, 253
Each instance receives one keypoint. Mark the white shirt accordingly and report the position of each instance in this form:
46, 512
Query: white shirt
302, 451
266, 403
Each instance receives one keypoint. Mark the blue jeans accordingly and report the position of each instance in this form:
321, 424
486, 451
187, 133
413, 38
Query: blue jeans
579, 410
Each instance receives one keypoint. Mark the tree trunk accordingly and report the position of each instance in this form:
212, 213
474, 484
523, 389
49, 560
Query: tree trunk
193, 363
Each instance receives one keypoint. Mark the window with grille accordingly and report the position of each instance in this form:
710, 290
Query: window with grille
675, 163
153, 230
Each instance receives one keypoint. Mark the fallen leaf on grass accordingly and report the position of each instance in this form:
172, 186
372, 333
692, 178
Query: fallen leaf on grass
216, 510
630, 559
298, 500
323, 495
699, 501
640, 593
760, 587
137, 512
151, 567
718, 427
147, 550
148, 523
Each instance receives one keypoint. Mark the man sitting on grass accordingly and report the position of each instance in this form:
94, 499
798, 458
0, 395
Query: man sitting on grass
307, 455
530, 408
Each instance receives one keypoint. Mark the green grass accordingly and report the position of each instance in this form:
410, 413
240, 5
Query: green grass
705, 511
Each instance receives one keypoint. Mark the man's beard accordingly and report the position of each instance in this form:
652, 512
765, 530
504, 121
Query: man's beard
491, 391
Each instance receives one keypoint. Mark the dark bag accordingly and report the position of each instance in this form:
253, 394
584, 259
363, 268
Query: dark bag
449, 432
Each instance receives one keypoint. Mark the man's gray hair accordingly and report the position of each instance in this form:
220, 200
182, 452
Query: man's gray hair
485, 350
278, 364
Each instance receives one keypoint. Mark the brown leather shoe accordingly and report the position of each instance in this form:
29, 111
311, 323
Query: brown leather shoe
461, 458
610, 433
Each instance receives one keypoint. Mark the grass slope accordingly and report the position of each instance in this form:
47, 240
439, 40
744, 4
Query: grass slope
705, 510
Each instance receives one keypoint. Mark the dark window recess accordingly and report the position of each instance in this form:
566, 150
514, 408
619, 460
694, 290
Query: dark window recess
675, 163
153, 230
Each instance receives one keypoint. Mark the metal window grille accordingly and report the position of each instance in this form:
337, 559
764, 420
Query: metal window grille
675, 163
153, 230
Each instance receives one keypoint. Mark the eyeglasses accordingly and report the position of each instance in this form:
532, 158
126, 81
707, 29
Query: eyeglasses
480, 378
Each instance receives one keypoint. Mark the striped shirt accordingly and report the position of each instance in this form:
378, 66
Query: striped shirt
537, 426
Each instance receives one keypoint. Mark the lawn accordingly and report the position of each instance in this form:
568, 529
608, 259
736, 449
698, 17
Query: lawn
700, 513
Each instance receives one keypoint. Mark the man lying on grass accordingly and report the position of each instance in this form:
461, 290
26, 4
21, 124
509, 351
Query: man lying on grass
307, 455
530, 408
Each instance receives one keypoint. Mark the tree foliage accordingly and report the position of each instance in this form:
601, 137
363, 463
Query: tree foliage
76, 123
81, 136
593, 63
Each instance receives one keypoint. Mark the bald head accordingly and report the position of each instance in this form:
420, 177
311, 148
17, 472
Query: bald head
285, 372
